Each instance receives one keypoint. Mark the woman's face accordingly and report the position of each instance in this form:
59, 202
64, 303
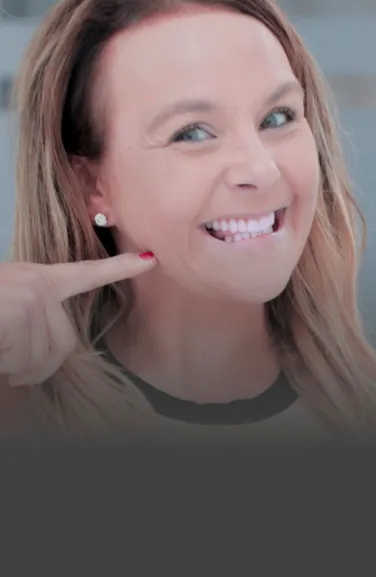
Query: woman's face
210, 162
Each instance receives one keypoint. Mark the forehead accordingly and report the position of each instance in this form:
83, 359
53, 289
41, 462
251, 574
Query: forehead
201, 49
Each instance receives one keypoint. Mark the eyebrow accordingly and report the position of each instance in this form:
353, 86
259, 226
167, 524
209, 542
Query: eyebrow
195, 105
284, 89
181, 107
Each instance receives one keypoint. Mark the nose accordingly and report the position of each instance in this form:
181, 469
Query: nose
251, 164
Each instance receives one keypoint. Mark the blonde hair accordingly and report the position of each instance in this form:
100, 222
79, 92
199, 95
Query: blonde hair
315, 321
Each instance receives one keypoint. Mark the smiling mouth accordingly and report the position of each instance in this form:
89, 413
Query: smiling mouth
240, 229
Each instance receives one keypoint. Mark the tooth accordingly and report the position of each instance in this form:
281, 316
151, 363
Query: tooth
224, 225
242, 226
267, 221
244, 229
228, 238
233, 226
252, 225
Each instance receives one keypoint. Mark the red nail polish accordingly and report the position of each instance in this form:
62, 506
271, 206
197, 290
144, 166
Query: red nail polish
146, 255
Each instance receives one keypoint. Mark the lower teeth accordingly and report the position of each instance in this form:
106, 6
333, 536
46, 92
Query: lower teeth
245, 235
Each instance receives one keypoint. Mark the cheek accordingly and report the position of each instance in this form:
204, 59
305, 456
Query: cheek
302, 172
156, 198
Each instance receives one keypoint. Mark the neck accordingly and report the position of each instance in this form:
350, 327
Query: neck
195, 348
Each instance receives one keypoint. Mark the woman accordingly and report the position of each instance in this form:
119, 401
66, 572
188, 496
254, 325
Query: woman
198, 131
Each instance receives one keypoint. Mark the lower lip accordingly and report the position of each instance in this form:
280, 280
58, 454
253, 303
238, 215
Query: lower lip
255, 241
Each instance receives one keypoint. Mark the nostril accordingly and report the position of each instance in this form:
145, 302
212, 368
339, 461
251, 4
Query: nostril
246, 185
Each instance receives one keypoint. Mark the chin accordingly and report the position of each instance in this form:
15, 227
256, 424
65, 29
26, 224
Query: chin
253, 294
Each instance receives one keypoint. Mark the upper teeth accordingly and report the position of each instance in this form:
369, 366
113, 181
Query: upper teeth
235, 225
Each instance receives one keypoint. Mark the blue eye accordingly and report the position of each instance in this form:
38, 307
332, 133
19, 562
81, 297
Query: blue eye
278, 118
191, 133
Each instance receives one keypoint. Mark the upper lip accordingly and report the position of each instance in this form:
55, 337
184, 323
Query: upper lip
248, 216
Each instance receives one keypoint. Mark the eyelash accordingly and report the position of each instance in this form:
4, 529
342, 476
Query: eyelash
290, 116
186, 129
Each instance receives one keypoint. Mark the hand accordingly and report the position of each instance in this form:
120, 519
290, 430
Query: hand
36, 335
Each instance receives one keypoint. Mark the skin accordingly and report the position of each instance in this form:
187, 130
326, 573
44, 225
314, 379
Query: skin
36, 335
198, 327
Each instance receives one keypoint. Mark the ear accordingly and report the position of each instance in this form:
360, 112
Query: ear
97, 198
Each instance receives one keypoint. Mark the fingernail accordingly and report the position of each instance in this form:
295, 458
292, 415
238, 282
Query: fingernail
146, 255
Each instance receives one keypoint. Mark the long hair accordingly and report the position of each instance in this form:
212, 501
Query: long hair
315, 321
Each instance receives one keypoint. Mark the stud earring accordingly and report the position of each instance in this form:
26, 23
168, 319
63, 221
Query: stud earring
100, 219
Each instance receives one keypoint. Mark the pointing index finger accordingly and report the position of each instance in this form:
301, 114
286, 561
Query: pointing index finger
71, 279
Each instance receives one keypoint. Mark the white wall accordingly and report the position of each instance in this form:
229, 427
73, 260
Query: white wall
14, 37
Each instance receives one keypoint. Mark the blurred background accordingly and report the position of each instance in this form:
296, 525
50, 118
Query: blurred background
341, 34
